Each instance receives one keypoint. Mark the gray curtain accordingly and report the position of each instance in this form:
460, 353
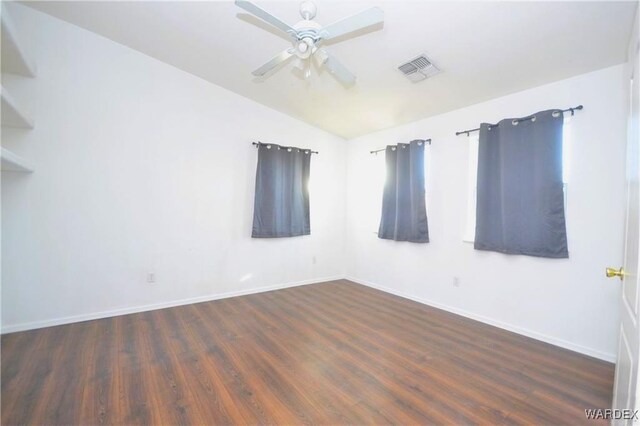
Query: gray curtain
404, 215
281, 204
520, 198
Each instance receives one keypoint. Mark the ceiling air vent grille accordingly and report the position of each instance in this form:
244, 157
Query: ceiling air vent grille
419, 69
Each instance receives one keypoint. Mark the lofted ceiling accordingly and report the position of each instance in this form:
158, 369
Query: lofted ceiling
485, 49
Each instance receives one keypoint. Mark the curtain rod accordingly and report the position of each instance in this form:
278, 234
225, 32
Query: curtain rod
375, 151
577, 108
257, 144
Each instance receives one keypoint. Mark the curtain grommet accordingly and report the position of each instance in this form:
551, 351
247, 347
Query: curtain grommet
515, 122
420, 143
306, 152
268, 146
393, 148
288, 149
533, 119
555, 114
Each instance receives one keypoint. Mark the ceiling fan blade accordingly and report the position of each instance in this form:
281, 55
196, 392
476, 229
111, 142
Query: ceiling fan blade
352, 23
265, 16
276, 61
336, 68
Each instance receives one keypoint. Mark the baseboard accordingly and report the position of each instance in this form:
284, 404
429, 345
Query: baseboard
144, 308
519, 330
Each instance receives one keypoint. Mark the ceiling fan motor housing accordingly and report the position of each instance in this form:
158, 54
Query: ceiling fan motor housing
306, 38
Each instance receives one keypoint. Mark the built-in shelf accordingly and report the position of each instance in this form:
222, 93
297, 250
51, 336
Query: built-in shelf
13, 114
14, 163
15, 57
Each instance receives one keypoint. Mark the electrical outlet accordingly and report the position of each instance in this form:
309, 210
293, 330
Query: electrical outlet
151, 278
456, 281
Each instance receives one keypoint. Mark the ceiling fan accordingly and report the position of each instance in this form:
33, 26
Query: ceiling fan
307, 37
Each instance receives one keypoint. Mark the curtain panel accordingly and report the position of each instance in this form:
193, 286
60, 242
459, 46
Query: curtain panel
404, 215
520, 195
281, 204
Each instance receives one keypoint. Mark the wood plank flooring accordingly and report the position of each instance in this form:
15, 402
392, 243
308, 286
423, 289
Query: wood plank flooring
331, 353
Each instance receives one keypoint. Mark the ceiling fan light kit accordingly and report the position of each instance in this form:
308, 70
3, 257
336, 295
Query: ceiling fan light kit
307, 37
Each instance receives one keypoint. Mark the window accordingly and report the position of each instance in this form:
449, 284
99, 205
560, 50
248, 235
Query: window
281, 202
377, 176
470, 225
472, 189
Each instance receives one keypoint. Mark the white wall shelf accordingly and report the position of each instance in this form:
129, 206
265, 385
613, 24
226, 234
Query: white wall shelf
15, 57
13, 114
13, 163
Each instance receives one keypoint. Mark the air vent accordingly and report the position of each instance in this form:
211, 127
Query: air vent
419, 69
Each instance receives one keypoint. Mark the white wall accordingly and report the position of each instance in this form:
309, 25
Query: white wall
566, 302
141, 167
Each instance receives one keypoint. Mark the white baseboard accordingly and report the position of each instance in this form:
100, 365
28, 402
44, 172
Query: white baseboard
610, 357
135, 309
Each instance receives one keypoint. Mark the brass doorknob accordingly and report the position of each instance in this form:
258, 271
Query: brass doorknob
613, 272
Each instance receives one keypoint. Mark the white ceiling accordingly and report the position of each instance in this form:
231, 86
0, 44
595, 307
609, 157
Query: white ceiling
486, 50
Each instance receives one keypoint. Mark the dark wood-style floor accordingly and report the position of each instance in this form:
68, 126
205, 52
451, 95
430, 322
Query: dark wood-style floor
332, 353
